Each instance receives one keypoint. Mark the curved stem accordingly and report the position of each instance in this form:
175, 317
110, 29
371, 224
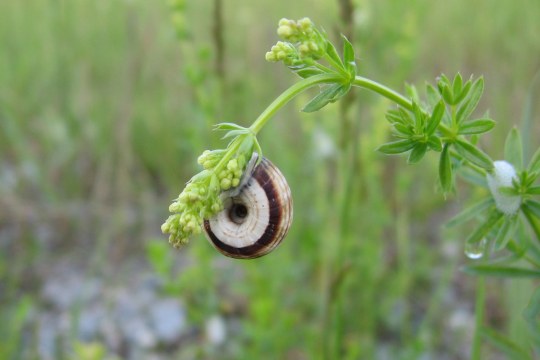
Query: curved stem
383, 90
277, 104
288, 95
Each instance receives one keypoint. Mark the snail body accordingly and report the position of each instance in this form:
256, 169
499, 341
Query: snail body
256, 215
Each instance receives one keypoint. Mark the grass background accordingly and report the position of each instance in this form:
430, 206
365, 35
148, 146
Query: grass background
105, 105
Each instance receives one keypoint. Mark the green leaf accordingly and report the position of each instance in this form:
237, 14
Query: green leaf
433, 96
470, 212
442, 81
535, 190
534, 164
403, 129
471, 102
504, 234
473, 176
405, 116
201, 176
504, 344
434, 143
396, 147
513, 149
333, 54
445, 169
308, 72
246, 147
435, 118
456, 86
532, 217
531, 314
348, 56
464, 92
478, 126
328, 94
412, 92
447, 95
233, 133
481, 231
258, 149
229, 126
443, 84
501, 271
417, 153
419, 118
473, 154
393, 117
533, 206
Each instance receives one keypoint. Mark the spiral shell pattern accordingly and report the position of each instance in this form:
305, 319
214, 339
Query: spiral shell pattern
256, 216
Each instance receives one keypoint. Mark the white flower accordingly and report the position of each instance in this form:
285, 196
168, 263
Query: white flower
502, 175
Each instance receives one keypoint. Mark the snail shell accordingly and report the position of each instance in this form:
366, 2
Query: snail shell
257, 213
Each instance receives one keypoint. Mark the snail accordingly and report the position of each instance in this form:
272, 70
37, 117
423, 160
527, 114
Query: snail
256, 214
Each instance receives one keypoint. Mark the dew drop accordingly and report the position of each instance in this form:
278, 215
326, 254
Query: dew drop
476, 250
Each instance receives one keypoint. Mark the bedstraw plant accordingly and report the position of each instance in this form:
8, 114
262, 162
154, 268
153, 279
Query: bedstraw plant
506, 239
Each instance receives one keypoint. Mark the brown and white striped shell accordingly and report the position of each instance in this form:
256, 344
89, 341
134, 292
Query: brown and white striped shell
257, 213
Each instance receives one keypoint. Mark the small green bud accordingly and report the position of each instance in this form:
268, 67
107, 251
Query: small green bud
223, 174
216, 207
225, 184
306, 24
285, 31
165, 227
235, 182
232, 164
303, 49
270, 56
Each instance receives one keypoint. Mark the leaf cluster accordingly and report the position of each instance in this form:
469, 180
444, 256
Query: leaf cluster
443, 124
345, 66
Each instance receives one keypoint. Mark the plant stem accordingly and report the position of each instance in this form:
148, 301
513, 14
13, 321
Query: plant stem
288, 95
479, 311
383, 90
277, 104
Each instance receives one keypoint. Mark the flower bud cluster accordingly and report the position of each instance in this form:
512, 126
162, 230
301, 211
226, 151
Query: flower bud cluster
200, 199
303, 41
285, 52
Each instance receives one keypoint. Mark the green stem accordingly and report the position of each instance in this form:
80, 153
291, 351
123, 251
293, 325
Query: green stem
476, 352
277, 104
288, 95
383, 90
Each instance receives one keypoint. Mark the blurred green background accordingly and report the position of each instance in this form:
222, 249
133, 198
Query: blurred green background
105, 106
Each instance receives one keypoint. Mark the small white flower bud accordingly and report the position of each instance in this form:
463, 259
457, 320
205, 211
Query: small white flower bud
502, 175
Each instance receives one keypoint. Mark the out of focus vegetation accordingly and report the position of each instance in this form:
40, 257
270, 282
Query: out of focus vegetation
104, 108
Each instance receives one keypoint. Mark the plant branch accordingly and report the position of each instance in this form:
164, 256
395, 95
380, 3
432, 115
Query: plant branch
384, 91
288, 95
